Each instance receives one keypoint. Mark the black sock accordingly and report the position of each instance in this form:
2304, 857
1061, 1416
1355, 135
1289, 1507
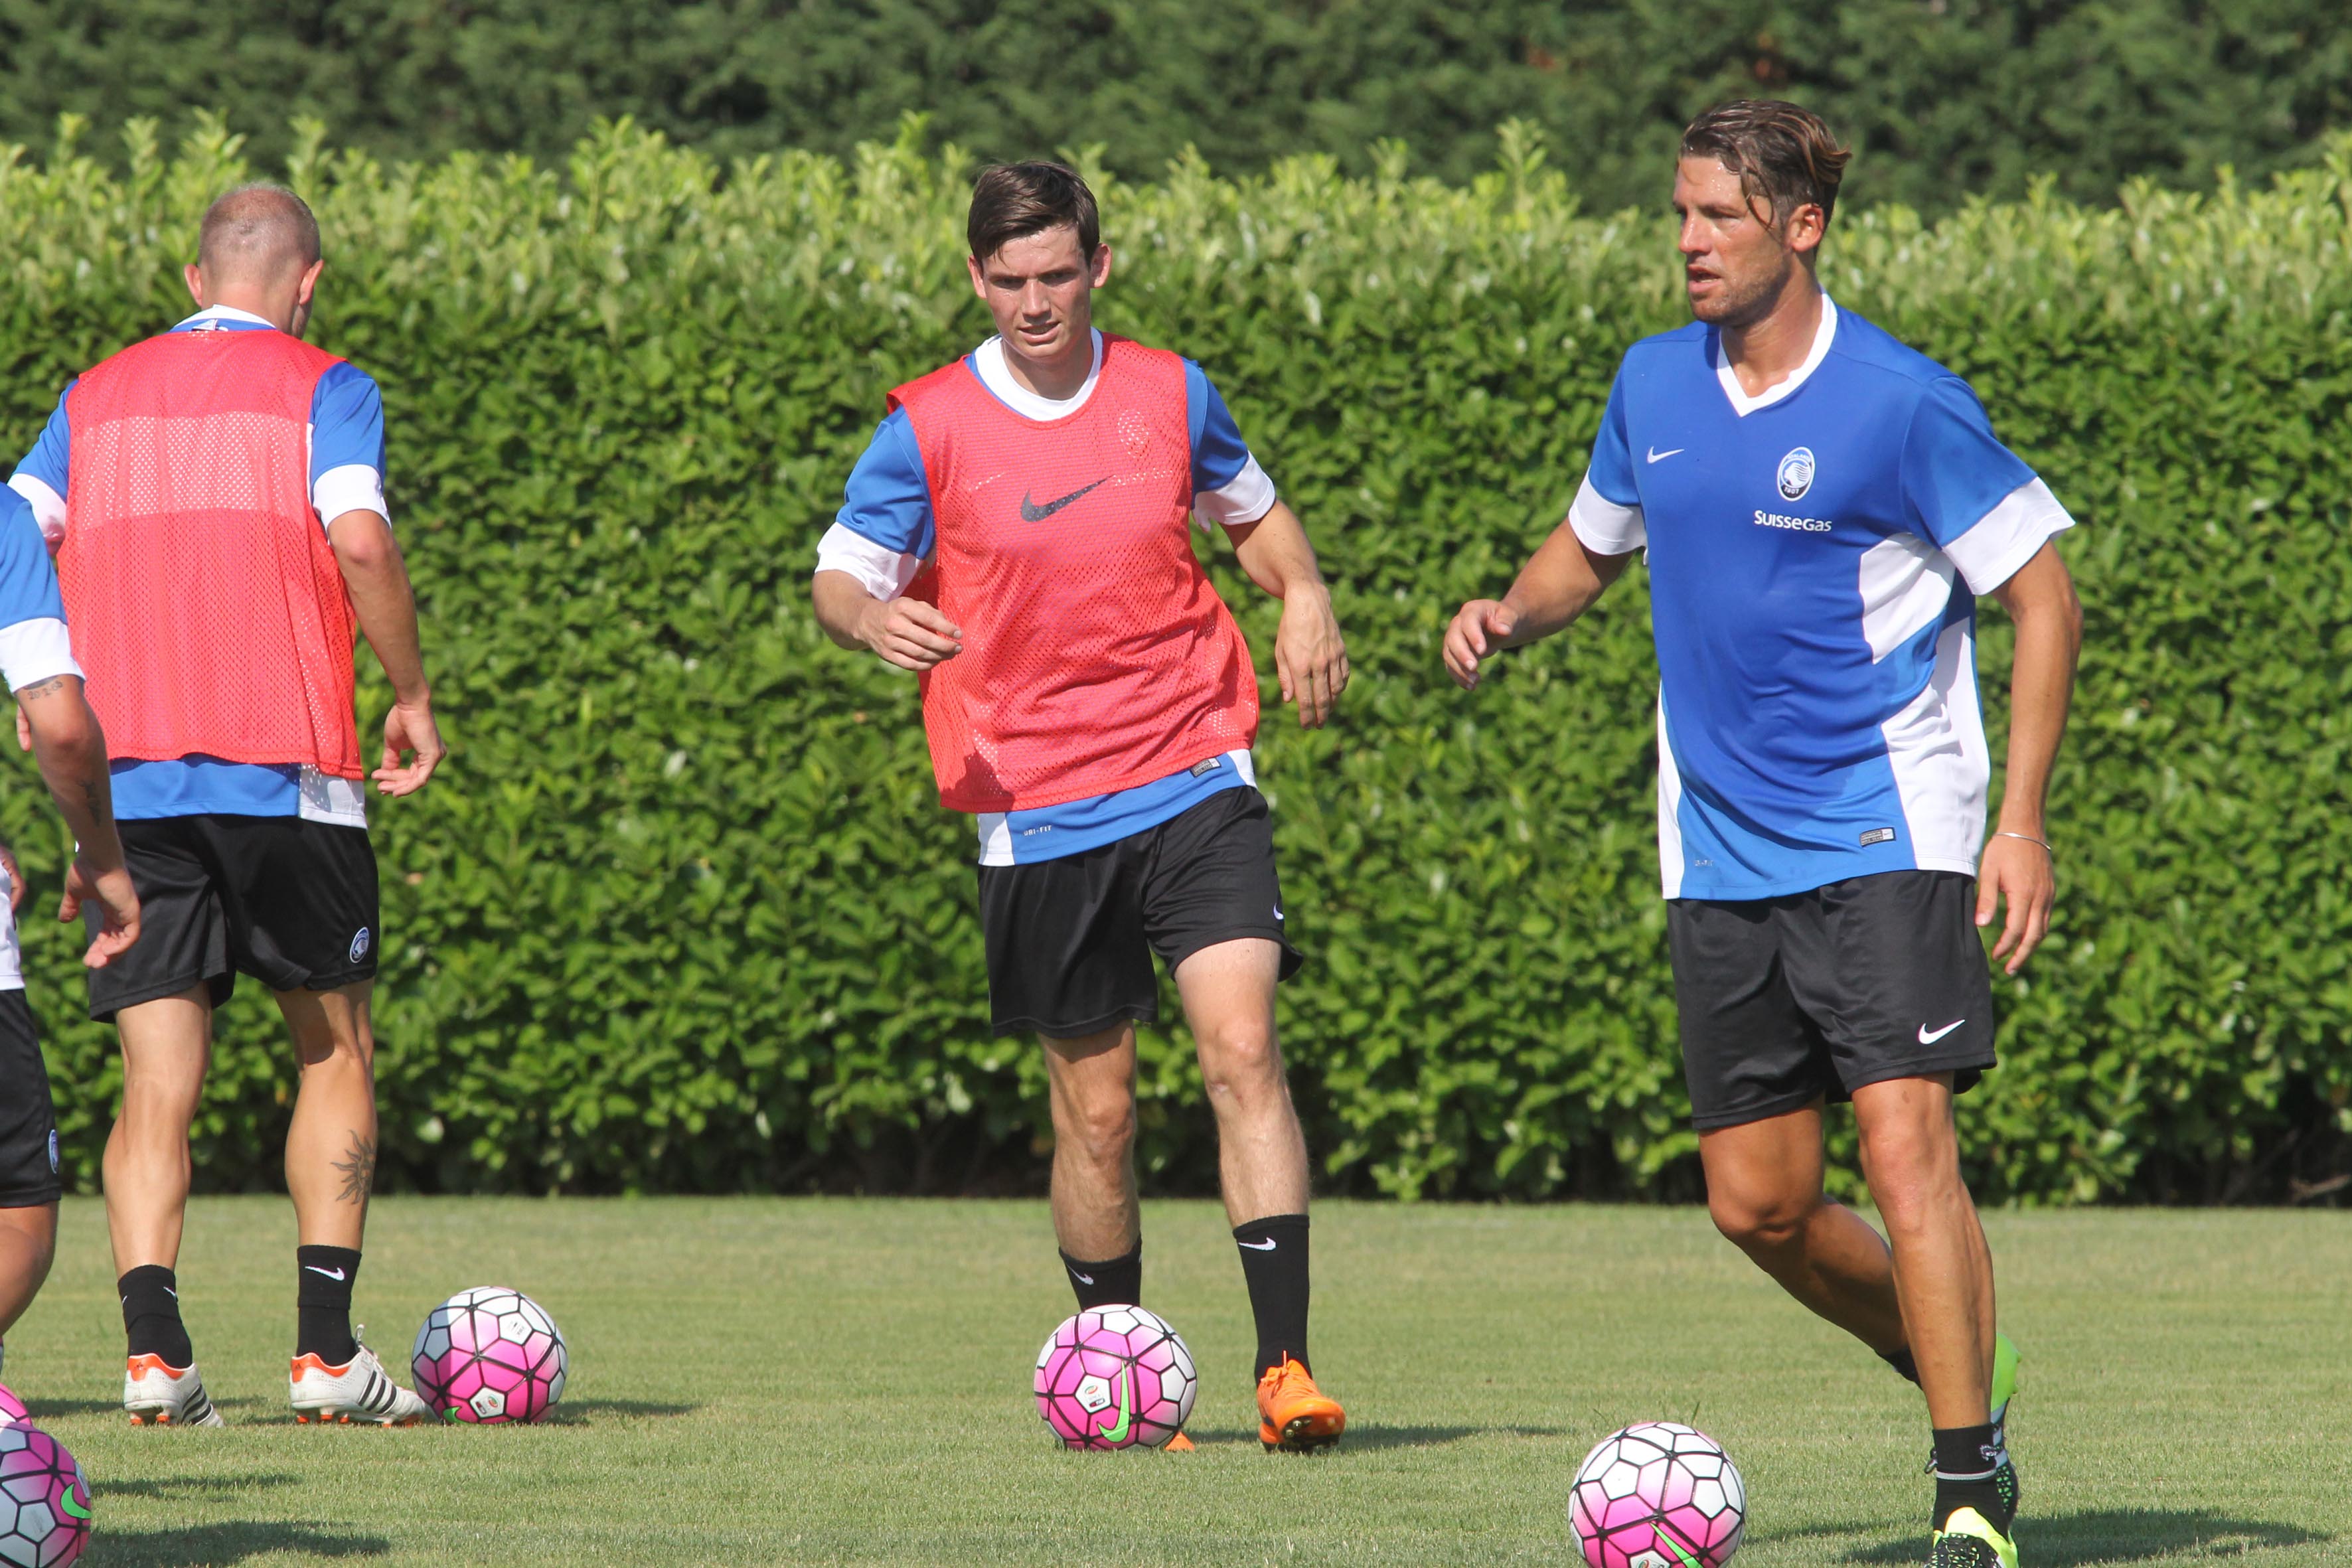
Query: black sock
1118, 1282
151, 1315
1274, 1261
1901, 1362
1968, 1466
323, 1304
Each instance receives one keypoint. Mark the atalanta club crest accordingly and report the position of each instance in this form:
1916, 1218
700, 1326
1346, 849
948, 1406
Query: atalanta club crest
1796, 474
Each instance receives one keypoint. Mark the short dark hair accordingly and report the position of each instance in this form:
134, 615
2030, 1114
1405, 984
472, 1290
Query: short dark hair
1784, 154
1013, 201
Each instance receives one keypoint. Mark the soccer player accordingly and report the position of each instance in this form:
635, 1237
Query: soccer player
216, 497
36, 660
1821, 507
1018, 533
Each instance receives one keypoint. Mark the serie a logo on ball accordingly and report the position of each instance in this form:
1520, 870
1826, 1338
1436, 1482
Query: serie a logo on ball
1795, 476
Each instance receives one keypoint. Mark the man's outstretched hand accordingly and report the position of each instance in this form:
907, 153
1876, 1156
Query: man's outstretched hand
1482, 626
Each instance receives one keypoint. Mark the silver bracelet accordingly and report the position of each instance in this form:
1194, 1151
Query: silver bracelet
2005, 833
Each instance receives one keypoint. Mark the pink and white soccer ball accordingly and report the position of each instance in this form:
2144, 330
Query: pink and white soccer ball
1658, 1495
490, 1356
11, 1409
1112, 1377
44, 1501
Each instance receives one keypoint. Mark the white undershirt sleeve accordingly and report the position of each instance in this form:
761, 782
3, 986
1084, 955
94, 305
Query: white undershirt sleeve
36, 650
879, 570
48, 506
354, 487
1245, 499
2008, 536
1605, 527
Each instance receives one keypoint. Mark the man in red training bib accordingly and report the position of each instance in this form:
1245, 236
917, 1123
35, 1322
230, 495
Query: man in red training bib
1019, 534
215, 496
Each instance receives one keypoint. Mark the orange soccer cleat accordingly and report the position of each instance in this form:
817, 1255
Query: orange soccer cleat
1293, 1413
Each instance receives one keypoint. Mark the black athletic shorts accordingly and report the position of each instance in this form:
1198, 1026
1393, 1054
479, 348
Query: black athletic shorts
29, 1121
1784, 1000
291, 902
1070, 941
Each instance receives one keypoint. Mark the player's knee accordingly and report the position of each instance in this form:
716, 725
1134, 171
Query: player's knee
1762, 1222
1242, 1063
1103, 1132
1912, 1173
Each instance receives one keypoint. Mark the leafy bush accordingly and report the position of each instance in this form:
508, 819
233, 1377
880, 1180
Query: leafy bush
683, 912
1944, 98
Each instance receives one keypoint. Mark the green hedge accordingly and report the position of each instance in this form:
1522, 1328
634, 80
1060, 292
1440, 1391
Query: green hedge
1941, 97
683, 912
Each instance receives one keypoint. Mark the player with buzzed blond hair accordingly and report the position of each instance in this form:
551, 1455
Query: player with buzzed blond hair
215, 496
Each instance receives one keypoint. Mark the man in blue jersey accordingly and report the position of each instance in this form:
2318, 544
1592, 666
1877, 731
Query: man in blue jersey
1018, 533
217, 496
1821, 507
36, 660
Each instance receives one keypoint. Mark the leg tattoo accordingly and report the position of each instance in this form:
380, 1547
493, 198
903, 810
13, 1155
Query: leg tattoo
359, 1170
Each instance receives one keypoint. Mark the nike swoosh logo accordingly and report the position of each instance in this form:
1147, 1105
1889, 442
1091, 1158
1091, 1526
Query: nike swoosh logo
1126, 1407
1261, 1246
1082, 1278
1675, 1547
71, 1506
1658, 456
1926, 1038
330, 1273
1032, 513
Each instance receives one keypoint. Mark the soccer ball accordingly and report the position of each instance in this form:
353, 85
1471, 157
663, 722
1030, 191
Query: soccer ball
490, 1356
1658, 1495
1111, 1377
44, 1501
11, 1409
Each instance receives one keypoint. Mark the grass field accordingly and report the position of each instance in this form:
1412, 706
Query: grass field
835, 1382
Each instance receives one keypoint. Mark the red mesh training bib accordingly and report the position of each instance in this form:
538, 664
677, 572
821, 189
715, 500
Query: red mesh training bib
1095, 655
206, 606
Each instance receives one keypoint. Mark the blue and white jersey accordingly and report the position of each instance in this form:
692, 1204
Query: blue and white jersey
884, 531
346, 438
1816, 553
34, 647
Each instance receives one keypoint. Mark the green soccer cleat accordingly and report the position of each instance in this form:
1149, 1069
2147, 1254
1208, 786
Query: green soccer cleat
2004, 1386
1968, 1540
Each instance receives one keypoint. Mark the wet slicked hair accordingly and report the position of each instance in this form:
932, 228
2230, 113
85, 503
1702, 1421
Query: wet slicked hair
1784, 154
1013, 201
258, 231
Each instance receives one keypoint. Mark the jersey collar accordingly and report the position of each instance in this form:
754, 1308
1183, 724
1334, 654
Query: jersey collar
224, 318
1743, 405
988, 363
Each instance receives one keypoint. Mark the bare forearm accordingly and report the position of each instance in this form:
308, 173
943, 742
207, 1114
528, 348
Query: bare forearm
1559, 583
842, 603
2040, 598
2042, 689
386, 607
71, 750
1276, 554
383, 599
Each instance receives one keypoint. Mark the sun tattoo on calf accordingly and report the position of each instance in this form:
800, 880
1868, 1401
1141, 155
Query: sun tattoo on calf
359, 1170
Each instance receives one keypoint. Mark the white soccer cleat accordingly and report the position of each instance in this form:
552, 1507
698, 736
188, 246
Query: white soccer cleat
359, 1390
160, 1395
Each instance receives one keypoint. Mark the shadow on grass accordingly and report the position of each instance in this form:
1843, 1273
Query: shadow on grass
584, 1412
1362, 1438
2116, 1535
224, 1544
176, 1488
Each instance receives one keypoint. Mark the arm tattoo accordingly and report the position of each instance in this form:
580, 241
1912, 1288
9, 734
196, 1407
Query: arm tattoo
52, 685
359, 1170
